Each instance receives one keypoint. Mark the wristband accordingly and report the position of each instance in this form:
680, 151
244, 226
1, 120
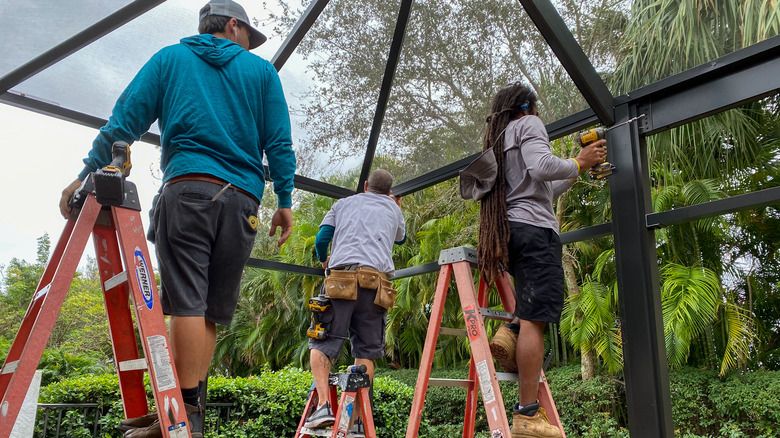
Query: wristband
577, 163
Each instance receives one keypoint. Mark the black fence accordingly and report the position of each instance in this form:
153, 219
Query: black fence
69, 420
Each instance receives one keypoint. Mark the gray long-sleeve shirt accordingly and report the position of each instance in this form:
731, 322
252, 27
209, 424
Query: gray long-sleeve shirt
534, 176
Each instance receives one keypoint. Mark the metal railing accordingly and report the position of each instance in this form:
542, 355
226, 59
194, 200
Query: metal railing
50, 417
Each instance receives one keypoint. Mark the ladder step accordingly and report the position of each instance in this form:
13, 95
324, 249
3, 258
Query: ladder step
452, 331
133, 365
41, 293
497, 314
464, 383
326, 431
115, 281
10, 367
511, 377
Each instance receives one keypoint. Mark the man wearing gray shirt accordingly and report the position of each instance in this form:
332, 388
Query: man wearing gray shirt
363, 229
519, 232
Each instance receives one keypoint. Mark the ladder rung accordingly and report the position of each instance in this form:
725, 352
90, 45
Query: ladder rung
326, 431
465, 383
511, 377
452, 331
41, 293
10, 367
497, 314
133, 365
115, 281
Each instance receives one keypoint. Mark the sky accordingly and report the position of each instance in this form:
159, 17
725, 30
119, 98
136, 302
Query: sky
42, 155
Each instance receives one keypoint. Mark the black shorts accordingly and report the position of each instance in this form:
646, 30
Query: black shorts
361, 320
535, 264
202, 247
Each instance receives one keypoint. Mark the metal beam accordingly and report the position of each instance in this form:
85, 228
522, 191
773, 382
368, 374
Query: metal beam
76, 42
555, 130
285, 267
384, 92
432, 178
320, 187
743, 76
727, 64
732, 204
314, 186
586, 233
572, 57
37, 106
300, 29
68, 115
417, 270
646, 370
571, 124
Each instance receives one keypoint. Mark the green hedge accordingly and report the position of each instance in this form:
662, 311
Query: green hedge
270, 404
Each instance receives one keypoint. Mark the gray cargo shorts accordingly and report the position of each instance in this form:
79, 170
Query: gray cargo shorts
361, 320
202, 247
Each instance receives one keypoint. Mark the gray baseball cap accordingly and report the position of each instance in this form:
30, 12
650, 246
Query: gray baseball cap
478, 178
229, 8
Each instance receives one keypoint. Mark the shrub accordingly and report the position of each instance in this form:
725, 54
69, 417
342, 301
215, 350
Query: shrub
580, 403
270, 404
101, 389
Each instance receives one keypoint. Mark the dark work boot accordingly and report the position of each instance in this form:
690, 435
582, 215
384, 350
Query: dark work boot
137, 422
194, 418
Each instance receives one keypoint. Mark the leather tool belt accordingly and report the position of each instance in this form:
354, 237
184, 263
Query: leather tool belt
209, 179
342, 283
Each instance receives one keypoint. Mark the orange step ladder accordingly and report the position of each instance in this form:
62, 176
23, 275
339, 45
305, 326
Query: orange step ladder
355, 388
482, 372
119, 241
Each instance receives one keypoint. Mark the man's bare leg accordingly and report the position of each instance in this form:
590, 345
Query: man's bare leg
530, 355
192, 342
320, 370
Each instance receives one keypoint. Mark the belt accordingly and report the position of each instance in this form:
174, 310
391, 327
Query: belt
357, 268
209, 179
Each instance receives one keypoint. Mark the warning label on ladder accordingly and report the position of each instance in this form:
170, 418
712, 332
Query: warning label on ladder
161, 360
484, 382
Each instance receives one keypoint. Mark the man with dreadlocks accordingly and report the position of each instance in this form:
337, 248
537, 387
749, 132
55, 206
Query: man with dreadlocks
518, 230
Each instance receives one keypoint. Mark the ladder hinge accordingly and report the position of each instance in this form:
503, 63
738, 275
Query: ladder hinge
459, 254
497, 314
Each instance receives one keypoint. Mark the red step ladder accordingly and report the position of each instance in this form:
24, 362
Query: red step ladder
354, 390
482, 372
119, 241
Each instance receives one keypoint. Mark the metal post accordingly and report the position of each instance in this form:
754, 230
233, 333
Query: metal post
646, 374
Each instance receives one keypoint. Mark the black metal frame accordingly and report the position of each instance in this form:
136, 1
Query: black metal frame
77, 42
384, 92
743, 76
572, 58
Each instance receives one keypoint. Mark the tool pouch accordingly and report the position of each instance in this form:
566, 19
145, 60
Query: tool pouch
341, 285
385, 295
369, 278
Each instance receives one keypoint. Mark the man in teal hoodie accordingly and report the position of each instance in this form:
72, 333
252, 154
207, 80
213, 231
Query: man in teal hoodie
220, 109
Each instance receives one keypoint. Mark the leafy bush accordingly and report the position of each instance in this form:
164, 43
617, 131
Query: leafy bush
270, 404
100, 389
750, 401
584, 404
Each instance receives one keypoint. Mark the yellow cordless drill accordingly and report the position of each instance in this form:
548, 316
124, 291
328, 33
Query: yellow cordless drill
317, 305
110, 180
585, 138
318, 328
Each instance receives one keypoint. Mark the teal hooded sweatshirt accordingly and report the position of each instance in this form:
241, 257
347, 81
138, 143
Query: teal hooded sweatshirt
220, 109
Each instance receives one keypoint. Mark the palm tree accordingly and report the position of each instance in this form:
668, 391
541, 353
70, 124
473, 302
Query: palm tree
697, 163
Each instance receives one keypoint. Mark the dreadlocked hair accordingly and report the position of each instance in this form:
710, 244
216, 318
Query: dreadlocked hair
492, 248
